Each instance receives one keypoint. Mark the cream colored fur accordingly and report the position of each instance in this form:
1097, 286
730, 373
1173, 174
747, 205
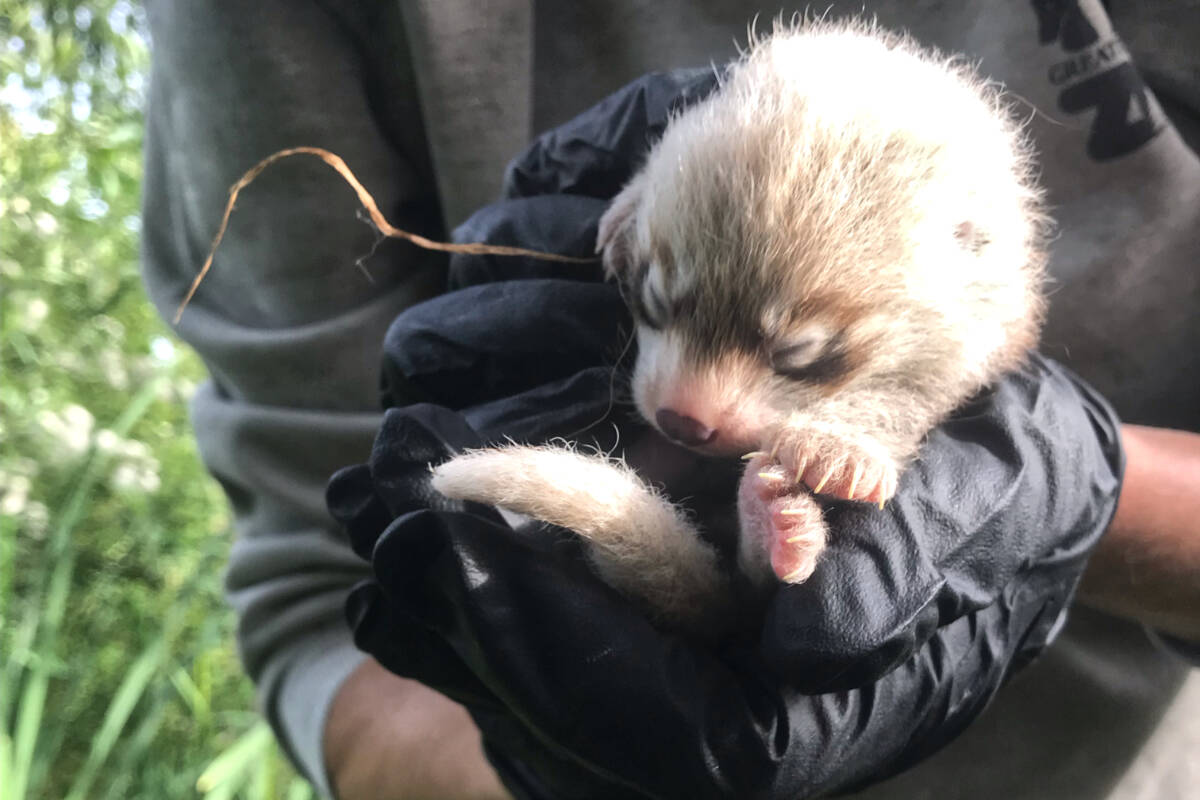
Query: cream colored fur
640, 543
833, 166
841, 181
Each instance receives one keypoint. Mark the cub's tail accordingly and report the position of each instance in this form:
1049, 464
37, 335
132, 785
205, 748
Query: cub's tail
638, 542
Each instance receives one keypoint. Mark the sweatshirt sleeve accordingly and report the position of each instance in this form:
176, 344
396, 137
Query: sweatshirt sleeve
291, 319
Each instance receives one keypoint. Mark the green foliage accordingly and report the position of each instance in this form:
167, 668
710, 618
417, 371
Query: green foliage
118, 677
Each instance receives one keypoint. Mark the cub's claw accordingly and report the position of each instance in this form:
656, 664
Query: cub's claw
840, 463
782, 529
817, 489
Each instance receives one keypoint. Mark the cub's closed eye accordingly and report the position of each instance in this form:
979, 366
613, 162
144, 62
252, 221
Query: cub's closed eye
815, 357
646, 301
655, 309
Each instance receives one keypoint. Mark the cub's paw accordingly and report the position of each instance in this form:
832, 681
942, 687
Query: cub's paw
836, 461
782, 530
798, 537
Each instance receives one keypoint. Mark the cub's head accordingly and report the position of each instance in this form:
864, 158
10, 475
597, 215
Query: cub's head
727, 347
844, 221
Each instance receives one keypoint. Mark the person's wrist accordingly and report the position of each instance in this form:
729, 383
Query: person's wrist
389, 738
1145, 567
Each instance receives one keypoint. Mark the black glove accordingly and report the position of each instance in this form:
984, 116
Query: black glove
578, 696
916, 615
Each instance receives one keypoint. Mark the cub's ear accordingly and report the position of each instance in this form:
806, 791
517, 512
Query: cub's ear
615, 235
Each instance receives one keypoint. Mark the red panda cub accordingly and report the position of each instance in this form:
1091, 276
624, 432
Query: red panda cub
823, 259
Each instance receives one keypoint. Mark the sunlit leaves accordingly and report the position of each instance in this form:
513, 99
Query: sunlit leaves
117, 671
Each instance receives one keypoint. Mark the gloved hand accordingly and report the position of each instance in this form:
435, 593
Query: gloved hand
911, 622
578, 696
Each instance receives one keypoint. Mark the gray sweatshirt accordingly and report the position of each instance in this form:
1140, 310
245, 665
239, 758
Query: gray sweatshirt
427, 99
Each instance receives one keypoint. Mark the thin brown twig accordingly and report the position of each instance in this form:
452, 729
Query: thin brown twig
368, 202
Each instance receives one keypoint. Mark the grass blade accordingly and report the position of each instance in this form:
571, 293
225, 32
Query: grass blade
191, 694
133, 751
119, 708
222, 775
53, 603
262, 783
7, 789
32, 702
299, 789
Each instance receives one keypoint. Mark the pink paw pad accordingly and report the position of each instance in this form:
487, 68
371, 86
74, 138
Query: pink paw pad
798, 537
787, 518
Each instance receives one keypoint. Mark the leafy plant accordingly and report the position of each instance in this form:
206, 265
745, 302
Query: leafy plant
118, 677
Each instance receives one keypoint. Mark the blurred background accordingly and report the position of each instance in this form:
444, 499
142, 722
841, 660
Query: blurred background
118, 675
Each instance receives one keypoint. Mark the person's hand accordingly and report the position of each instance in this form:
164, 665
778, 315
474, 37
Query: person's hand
916, 614
578, 696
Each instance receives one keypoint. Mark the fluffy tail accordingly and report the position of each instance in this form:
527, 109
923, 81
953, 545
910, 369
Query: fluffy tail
639, 543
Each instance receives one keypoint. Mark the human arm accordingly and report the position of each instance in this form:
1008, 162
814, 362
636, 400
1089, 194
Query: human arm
1147, 566
392, 738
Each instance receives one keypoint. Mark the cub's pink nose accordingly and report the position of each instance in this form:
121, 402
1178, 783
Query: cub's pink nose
685, 430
